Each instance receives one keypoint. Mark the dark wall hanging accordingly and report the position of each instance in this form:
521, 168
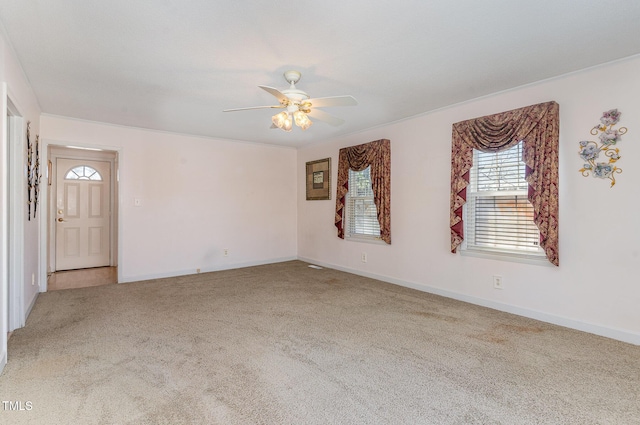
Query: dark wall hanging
319, 179
29, 170
33, 173
36, 178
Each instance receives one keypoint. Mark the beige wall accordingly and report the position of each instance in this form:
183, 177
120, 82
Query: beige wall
16, 89
594, 289
198, 196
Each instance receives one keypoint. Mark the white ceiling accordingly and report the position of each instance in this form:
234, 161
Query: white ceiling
174, 65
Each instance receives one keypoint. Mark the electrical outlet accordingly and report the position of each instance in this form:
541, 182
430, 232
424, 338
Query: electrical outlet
197, 270
364, 257
226, 252
497, 282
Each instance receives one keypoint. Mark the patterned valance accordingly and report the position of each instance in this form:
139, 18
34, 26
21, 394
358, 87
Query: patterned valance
377, 155
538, 127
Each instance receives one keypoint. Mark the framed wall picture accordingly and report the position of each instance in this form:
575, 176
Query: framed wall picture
319, 179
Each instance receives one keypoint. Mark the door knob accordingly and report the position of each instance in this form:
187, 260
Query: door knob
60, 219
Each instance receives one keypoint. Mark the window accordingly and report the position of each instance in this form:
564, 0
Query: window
536, 127
363, 199
499, 217
83, 172
362, 217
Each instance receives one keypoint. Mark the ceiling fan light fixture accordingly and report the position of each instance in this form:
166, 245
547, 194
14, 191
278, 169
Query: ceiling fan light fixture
298, 106
302, 120
306, 124
288, 122
279, 119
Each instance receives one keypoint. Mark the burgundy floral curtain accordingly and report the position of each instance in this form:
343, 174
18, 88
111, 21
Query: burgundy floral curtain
377, 155
538, 127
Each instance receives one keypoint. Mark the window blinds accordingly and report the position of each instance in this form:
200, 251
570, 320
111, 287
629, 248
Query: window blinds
499, 215
362, 217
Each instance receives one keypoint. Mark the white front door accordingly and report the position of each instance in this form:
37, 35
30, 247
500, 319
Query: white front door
82, 214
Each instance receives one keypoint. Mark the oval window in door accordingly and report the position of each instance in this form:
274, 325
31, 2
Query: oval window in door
83, 172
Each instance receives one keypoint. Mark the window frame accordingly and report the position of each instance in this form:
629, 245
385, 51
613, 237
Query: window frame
84, 176
349, 211
468, 248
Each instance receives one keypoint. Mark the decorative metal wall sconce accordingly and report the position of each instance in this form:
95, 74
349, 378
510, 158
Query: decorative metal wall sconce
29, 170
609, 137
33, 173
36, 178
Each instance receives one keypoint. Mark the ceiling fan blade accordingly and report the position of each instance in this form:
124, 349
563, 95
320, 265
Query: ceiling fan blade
324, 117
277, 93
253, 107
321, 102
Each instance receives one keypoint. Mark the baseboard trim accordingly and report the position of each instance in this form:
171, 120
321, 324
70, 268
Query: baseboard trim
613, 333
30, 307
137, 278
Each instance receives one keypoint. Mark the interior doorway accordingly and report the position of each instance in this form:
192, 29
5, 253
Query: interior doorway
82, 217
83, 189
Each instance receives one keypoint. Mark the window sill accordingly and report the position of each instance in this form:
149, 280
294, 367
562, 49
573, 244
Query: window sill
536, 260
364, 239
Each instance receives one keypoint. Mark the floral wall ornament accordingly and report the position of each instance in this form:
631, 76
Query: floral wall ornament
609, 136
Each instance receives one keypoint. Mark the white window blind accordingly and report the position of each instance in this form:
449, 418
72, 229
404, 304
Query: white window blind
499, 216
362, 217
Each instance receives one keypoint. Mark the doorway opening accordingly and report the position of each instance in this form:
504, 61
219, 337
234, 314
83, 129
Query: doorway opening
82, 278
83, 221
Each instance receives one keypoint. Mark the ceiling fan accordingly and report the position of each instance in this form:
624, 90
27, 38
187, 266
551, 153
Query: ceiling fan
298, 107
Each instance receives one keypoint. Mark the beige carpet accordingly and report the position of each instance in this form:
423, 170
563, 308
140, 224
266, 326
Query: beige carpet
286, 344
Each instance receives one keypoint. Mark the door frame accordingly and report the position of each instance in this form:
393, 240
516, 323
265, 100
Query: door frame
17, 200
90, 210
55, 150
4, 227
12, 197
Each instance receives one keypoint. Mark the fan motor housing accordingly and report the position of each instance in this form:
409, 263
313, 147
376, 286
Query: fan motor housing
295, 94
